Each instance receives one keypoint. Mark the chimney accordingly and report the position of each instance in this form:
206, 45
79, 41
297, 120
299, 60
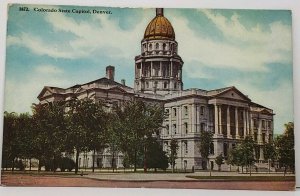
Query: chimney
123, 81
110, 72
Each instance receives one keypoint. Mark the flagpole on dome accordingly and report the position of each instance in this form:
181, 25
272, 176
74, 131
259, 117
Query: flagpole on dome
159, 11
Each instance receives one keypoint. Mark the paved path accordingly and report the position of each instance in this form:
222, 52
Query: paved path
73, 181
141, 176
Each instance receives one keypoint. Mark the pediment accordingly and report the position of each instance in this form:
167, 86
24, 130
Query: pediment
45, 92
233, 93
117, 89
266, 112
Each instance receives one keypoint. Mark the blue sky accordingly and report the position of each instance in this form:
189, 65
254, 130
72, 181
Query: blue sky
249, 49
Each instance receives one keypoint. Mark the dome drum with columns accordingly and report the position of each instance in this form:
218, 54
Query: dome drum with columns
159, 68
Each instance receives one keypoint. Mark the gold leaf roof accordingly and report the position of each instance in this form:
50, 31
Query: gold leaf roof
159, 28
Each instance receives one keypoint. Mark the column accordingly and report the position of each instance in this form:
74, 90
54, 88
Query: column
248, 122
244, 122
198, 118
160, 69
220, 119
259, 135
216, 119
151, 69
179, 128
251, 126
142, 73
228, 122
261, 153
237, 136
171, 69
193, 124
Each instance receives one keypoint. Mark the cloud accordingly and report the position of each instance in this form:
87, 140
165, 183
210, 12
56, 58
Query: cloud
48, 69
279, 99
243, 49
107, 38
39, 47
19, 95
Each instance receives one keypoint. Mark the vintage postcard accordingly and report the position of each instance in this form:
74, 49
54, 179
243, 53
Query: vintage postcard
148, 97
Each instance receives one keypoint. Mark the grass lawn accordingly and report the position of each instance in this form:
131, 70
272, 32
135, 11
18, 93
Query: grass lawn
245, 178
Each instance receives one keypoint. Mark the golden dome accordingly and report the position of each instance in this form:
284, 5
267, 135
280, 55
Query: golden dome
159, 27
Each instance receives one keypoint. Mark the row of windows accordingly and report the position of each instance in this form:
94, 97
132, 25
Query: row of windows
185, 111
165, 85
185, 128
264, 124
184, 146
155, 46
264, 139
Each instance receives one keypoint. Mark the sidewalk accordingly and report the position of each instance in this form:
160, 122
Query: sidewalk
168, 176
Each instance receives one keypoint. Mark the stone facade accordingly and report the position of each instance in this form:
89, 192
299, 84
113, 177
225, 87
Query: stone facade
227, 113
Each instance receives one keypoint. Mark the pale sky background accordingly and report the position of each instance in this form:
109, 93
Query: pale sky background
249, 49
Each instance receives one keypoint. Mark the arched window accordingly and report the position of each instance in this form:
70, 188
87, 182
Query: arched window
164, 46
156, 46
147, 84
150, 46
175, 85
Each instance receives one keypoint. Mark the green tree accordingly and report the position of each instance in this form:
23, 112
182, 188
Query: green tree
204, 144
285, 148
219, 161
136, 121
173, 153
78, 135
270, 153
94, 121
10, 140
49, 126
156, 157
245, 154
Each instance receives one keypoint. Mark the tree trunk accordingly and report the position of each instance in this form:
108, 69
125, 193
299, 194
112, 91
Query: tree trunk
219, 167
76, 161
250, 168
135, 157
113, 161
145, 159
39, 166
30, 164
53, 164
13, 165
269, 166
94, 160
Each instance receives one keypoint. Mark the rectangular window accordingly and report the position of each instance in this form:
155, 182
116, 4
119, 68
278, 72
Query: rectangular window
167, 129
202, 110
186, 128
174, 129
186, 147
263, 124
174, 112
186, 110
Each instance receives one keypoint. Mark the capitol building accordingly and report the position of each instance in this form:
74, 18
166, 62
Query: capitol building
227, 113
